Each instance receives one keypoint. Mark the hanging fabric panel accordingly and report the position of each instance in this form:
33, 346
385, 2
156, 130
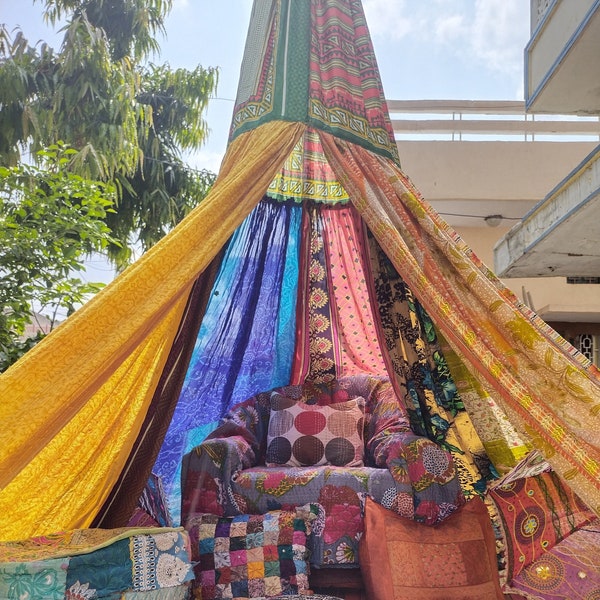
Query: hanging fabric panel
422, 375
503, 444
245, 342
314, 358
502, 341
50, 397
356, 346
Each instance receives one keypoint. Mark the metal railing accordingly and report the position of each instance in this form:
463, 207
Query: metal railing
485, 120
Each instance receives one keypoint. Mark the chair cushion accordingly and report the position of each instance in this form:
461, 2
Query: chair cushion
340, 491
571, 569
303, 434
536, 513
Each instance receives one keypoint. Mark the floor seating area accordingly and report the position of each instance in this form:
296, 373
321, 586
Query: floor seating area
326, 446
530, 538
273, 500
325, 492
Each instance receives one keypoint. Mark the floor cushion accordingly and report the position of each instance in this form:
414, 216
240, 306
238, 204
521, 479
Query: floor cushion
401, 559
250, 556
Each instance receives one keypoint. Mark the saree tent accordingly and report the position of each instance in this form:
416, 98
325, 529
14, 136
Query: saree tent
312, 258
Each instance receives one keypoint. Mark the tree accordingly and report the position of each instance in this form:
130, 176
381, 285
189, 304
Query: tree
130, 122
50, 220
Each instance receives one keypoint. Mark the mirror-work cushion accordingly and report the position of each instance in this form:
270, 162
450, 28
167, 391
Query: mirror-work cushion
401, 559
535, 514
303, 434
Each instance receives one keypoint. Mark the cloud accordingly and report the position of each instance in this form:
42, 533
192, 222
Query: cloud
450, 29
492, 33
500, 30
389, 19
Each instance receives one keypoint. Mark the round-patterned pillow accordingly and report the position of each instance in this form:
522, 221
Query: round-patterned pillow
303, 434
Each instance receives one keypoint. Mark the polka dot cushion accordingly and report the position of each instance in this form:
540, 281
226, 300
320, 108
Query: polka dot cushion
303, 435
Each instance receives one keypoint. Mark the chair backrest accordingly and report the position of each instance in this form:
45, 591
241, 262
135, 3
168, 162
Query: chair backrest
383, 409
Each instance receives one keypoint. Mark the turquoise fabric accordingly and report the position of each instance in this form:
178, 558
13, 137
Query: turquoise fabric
106, 570
34, 580
246, 340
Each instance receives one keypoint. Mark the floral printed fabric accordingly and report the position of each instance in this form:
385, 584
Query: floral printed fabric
40, 579
159, 560
550, 392
535, 514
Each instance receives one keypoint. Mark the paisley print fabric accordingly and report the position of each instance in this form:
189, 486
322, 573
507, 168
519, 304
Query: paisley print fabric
504, 344
423, 377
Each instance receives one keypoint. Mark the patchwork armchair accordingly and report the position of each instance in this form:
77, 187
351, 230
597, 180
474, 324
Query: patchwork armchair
332, 445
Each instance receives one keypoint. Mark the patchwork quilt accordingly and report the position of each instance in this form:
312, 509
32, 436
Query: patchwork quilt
144, 563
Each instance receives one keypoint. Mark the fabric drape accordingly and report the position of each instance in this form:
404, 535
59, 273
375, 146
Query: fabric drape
357, 347
504, 343
55, 410
245, 342
124, 497
422, 377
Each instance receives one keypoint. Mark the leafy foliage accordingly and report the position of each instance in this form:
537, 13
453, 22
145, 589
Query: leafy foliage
50, 220
164, 189
129, 122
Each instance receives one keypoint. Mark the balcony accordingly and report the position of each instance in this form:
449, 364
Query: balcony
472, 159
559, 237
562, 69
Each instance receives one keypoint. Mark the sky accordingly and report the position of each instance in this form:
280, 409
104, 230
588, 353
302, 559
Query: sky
426, 49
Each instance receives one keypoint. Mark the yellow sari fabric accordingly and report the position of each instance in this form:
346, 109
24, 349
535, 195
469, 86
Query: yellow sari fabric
550, 393
73, 406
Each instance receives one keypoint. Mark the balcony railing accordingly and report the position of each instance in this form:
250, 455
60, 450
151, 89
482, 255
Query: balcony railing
485, 120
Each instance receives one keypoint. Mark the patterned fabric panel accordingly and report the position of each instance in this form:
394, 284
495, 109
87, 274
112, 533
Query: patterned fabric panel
181, 592
403, 560
346, 96
422, 374
535, 514
569, 570
340, 492
37, 579
246, 340
102, 573
160, 561
306, 175
303, 434
314, 62
250, 556
140, 563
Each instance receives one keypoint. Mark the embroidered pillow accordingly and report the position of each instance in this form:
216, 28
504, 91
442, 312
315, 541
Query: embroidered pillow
303, 434
250, 556
535, 514
401, 559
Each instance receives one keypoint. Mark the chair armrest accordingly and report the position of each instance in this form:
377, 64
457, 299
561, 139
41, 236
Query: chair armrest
207, 472
427, 468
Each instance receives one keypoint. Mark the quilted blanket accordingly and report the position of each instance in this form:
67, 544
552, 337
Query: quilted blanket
87, 564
